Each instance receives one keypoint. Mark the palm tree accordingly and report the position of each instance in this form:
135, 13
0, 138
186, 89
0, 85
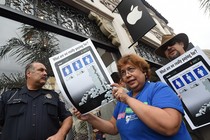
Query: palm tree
34, 45
12, 81
205, 4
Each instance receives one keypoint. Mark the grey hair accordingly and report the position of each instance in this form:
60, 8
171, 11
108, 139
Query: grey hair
29, 67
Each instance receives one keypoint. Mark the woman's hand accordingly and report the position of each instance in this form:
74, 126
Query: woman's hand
79, 115
120, 93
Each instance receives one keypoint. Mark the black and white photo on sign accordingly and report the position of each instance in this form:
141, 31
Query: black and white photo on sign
82, 77
189, 76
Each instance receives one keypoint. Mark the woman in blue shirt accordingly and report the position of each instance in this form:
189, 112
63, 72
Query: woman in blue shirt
149, 111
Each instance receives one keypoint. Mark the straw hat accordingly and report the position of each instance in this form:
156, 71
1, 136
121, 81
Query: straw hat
166, 39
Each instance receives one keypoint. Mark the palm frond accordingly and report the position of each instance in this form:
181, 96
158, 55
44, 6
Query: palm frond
33, 45
14, 80
205, 4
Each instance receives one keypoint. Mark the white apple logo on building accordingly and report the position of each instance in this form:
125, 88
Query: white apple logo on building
134, 15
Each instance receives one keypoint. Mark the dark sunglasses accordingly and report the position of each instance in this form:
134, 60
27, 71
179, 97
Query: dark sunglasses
171, 43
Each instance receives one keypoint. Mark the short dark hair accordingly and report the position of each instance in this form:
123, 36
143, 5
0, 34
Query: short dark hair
116, 77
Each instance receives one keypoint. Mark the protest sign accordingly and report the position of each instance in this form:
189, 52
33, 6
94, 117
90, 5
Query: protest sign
189, 76
82, 77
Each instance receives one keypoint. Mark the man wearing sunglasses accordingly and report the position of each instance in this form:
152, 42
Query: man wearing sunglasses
172, 47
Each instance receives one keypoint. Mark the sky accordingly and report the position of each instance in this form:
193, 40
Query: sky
186, 16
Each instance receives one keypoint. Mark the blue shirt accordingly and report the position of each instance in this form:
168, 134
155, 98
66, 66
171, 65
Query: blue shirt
159, 95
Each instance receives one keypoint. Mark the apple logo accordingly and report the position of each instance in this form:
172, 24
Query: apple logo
134, 15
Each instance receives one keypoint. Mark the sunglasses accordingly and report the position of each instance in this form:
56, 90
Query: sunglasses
171, 43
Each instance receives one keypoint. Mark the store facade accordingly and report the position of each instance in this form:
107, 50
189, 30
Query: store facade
66, 23
34, 30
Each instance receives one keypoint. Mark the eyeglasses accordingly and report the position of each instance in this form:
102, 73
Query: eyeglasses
171, 43
129, 70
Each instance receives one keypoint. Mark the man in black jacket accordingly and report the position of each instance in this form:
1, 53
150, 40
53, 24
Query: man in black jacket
33, 113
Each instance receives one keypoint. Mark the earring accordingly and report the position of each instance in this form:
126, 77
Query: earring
145, 75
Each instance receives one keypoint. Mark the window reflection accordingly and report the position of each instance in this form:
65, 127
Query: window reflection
21, 44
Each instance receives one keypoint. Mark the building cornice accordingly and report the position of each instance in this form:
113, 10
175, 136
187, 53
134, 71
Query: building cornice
106, 28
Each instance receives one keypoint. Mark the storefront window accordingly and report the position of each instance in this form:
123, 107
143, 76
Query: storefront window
26, 44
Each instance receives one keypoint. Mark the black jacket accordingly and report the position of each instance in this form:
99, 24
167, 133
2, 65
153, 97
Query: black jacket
33, 115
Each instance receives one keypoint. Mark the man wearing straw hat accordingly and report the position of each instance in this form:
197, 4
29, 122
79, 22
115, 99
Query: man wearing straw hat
172, 46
